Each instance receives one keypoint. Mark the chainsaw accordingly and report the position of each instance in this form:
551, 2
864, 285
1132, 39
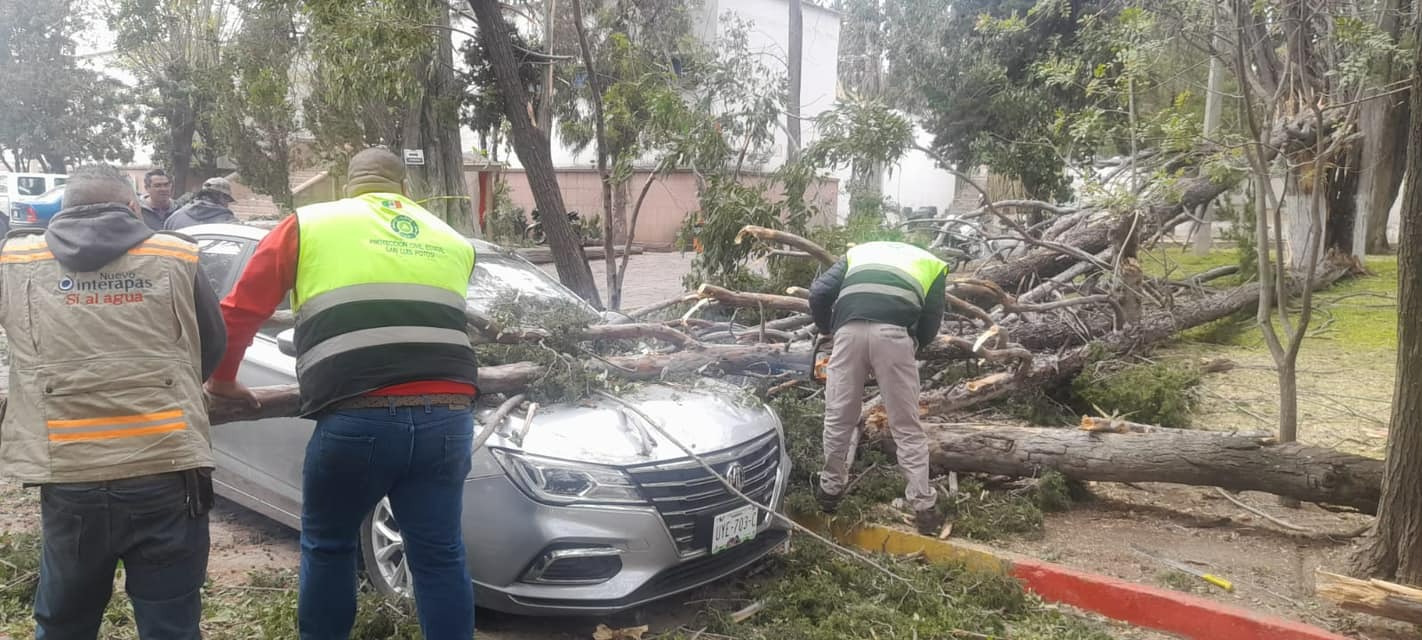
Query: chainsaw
819, 371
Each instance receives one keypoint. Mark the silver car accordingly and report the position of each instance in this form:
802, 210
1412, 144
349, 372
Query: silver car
590, 511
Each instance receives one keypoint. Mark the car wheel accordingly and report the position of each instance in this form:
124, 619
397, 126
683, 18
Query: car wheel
383, 550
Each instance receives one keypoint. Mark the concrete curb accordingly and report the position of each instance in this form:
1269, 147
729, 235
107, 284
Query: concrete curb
1138, 604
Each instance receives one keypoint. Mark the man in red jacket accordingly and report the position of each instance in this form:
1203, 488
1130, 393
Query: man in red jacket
385, 367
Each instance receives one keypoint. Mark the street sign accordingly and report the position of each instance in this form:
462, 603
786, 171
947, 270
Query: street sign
415, 156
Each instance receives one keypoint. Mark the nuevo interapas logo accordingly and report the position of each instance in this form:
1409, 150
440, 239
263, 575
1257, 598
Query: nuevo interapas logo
103, 288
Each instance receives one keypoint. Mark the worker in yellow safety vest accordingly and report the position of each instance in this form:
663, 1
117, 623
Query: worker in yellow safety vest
385, 367
881, 302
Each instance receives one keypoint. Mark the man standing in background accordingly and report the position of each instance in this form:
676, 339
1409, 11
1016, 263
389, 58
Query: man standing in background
209, 206
157, 200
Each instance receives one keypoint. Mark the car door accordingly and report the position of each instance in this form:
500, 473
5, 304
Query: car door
258, 462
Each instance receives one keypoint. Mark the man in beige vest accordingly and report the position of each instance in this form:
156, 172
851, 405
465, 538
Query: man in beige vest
112, 329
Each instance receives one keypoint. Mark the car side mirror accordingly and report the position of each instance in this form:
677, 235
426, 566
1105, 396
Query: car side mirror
286, 342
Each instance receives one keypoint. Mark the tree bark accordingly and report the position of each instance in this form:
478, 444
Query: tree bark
1382, 121
432, 126
532, 146
753, 300
182, 126
1374, 597
1394, 550
1181, 456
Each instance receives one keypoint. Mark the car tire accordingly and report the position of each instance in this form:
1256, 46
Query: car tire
382, 553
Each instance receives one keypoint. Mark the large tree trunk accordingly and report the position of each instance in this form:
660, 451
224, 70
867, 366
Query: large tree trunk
182, 126
432, 126
1204, 458
1394, 551
532, 146
1383, 123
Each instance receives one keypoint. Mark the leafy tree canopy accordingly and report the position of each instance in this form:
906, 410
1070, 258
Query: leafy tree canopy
53, 111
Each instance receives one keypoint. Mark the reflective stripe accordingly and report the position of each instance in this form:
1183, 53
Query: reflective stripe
382, 291
883, 290
379, 336
115, 420
111, 434
891, 269
173, 243
25, 257
144, 251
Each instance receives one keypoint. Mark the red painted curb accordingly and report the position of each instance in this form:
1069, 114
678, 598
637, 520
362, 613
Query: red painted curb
1151, 607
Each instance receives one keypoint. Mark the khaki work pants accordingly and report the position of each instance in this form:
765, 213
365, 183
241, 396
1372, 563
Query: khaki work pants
888, 351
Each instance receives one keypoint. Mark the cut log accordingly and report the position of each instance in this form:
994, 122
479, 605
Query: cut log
1202, 458
1375, 597
753, 300
788, 239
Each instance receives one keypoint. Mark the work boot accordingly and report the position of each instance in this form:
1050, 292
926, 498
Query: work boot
828, 502
929, 522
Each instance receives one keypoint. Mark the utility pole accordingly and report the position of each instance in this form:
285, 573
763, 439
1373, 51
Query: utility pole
545, 108
792, 108
1204, 235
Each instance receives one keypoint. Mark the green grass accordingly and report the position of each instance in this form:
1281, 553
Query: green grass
1358, 313
814, 593
1173, 264
262, 609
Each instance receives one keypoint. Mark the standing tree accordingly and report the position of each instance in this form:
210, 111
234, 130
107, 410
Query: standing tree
532, 146
1394, 550
385, 75
175, 48
54, 112
256, 117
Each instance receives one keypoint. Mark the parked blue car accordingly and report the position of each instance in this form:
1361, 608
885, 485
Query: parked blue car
36, 211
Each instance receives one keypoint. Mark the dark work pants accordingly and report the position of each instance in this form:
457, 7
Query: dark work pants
419, 457
89, 527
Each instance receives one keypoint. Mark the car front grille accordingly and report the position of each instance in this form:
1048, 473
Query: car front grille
688, 498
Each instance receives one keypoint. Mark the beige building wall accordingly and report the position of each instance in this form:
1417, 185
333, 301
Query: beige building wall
669, 201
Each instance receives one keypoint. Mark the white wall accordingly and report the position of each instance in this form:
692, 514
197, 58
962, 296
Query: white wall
916, 181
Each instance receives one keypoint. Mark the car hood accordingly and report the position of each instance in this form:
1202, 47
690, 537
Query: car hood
706, 416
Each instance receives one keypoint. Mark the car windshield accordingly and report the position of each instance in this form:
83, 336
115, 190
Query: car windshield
504, 284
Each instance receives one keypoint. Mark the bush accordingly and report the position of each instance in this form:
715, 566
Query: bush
1162, 393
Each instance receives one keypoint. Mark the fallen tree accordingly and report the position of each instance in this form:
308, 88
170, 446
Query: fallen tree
1203, 458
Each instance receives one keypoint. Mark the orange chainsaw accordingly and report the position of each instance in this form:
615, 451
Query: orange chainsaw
820, 371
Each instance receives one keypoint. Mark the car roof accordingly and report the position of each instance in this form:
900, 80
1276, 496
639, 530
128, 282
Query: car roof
259, 231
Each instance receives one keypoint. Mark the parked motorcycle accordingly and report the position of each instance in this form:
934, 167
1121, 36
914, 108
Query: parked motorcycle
535, 234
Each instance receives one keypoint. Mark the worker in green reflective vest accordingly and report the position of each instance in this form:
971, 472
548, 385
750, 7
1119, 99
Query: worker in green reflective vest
880, 303
385, 368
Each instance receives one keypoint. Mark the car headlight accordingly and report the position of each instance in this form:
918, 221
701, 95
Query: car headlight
562, 482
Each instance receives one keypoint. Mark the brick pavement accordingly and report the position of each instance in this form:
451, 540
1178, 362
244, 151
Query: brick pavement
651, 277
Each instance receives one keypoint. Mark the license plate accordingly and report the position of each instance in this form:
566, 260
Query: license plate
732, 528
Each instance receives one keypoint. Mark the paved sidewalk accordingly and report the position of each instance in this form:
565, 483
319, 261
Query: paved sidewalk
651, 277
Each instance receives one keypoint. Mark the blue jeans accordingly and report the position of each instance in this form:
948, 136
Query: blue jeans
144, 521
419, 457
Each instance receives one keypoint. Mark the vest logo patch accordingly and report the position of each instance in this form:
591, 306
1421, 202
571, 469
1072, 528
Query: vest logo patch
405, 227
103, 288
